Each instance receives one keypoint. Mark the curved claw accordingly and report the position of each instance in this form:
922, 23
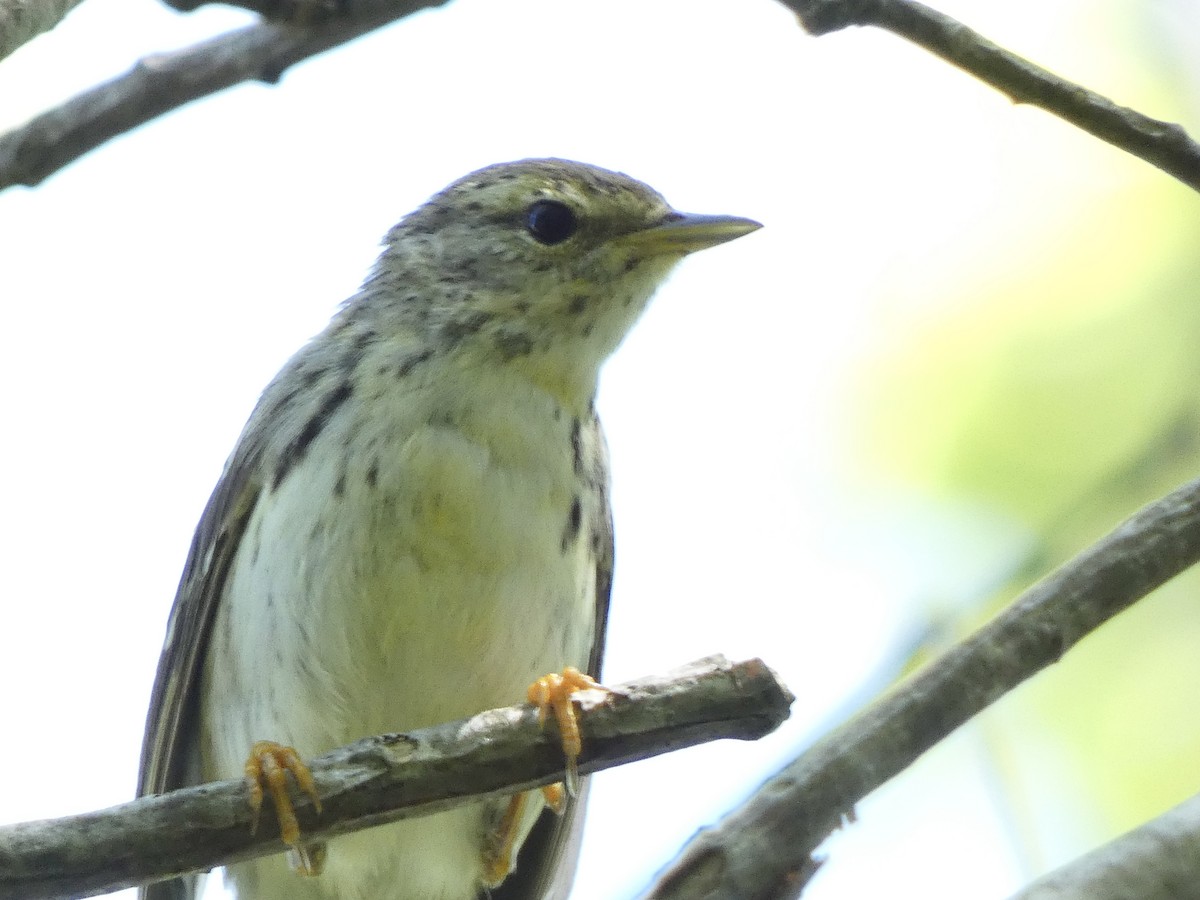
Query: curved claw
555, 692
268, 765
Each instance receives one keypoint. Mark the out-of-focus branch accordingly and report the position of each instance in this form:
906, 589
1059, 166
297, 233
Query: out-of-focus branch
1156, 861
1162, 144
158, 84
23, 20
764, 849
389, 777
305, 11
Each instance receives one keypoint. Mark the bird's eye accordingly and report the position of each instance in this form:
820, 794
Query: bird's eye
550, 222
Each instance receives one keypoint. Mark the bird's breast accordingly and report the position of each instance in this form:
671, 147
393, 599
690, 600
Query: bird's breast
428, 574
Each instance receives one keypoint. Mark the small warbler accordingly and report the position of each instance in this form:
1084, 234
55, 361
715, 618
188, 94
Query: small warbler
414, 525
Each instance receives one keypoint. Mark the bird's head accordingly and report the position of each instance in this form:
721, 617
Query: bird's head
540, 264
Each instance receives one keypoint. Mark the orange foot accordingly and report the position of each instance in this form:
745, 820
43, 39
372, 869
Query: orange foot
268, 765
551, 692
556, 692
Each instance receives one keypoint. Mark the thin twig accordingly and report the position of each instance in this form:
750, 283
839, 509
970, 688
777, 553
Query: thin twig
386, 778
763, 851
157, 84
1162, 144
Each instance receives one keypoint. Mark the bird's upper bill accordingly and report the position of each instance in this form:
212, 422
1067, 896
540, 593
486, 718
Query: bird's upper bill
687, 232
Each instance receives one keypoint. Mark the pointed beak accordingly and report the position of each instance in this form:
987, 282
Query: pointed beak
687, 232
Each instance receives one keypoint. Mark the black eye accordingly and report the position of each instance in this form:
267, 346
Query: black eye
550, 222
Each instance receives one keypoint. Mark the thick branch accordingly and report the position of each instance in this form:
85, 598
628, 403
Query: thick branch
1162, 144
763, 850
158, 84
23, 20
386, 778
1156, 861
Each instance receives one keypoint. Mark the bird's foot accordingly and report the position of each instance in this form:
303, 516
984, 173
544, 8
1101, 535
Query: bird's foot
556, 693
267, 768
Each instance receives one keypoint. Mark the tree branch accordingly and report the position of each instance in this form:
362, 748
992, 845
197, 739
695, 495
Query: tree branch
23, 20
1156, 861
306, 11
1162, 144
157, 84
389, 777
798, 808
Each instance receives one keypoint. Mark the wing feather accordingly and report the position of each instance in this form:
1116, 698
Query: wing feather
168, 747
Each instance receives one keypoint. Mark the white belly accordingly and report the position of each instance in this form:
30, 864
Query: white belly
437, 587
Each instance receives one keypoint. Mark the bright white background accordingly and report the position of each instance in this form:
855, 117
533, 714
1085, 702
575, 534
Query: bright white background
150, 290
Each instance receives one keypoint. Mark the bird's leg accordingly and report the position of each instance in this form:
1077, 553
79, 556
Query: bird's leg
498, 859
268, 765
554, 692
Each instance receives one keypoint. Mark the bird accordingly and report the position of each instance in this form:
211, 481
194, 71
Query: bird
414, 526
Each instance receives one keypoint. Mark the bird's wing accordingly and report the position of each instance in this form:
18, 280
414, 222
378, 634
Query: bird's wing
546, 863
169, 745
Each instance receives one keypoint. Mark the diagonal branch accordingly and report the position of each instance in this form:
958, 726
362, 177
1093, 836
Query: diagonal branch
1155, 861
306, 11
388, 777
1162, 144
157, 84
762, 851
